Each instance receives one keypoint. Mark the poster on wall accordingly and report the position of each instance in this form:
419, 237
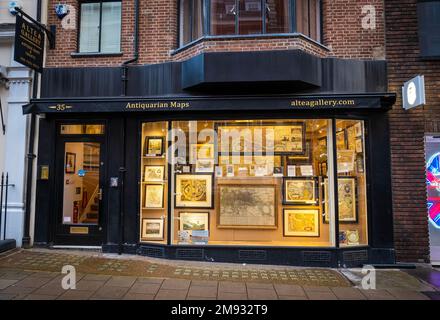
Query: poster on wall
433, 191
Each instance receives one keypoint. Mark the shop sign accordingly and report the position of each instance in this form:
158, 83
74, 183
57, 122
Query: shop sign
413, 93
29, 44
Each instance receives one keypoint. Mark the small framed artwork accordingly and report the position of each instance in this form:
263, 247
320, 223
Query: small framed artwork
219, 171
278, 171
194, 191
346, 161
359, 145
190, 221
300, 191
323, 168
154, 146
154, 173
352, 237
341, 140
301, 223
351, 138
154, 196
205, 165
347, 203
230, 170
358, 129
201, 152
152, 229
70, 162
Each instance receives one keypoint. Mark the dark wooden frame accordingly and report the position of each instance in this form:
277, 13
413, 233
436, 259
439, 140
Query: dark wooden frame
303, 203
194, 174
72, 171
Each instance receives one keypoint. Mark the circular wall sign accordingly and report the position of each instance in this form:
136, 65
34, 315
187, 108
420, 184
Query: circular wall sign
411, 93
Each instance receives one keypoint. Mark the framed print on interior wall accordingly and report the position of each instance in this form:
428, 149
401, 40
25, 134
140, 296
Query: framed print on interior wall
341, 141
201, 152
190, 221
247, 206
351, 138
154, 173
301, 223
347, 203
194, 191
70, 164
154, 196
358, 129
152, 229
300, 191
205, 165
154, 146
359, 145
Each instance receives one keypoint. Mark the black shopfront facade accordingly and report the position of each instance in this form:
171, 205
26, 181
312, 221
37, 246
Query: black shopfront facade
305, 182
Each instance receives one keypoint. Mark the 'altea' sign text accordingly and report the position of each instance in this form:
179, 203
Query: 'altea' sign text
29, 44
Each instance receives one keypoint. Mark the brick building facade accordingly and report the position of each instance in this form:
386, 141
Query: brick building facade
351, 64
408, 129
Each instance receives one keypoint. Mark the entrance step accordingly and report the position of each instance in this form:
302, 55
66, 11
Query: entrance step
7, 244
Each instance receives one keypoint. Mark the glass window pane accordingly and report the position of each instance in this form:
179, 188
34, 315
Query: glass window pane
277, 16
82, 129
308, 18
81, 189
154, 183
111, 27
185, 25
197, 29
352, 193
223, 14
89, 29
252, 182
250, 17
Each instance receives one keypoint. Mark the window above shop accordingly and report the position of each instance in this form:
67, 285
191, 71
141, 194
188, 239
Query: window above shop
429, 28
200, 18
100, 27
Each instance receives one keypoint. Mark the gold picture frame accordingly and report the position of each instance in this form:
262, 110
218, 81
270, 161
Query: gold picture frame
347, 202
154, 146
152, 229
300, 190
193, 191
301, 222
205, 165
154, 173
247, 206
204, 151
154, 194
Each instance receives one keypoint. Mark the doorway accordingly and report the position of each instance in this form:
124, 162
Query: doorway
80, 189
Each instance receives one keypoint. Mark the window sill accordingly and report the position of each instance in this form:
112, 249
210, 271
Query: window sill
249, 36
95, 54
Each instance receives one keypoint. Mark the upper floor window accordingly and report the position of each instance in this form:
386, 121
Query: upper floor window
100, 27
429, 28
248, 17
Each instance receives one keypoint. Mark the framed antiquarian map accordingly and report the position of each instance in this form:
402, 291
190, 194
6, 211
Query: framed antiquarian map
347, 203
193, 191
247, 206
300, 191
301, 223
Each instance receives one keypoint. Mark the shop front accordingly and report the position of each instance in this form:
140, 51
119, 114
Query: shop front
300, 179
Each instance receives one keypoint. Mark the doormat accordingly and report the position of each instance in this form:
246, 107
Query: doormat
53, 262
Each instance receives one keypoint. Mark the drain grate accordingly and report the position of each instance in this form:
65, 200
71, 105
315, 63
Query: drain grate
190, 254
153, 252
252, 255
316, 256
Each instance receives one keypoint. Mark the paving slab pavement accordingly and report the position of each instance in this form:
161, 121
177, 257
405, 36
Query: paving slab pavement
30, 281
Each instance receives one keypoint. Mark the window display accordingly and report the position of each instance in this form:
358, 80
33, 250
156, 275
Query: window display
254, 182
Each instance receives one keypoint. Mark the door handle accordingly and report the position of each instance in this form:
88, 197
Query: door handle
100, 194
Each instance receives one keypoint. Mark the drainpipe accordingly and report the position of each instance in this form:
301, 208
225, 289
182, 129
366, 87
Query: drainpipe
136, 49
30, 156
122, 169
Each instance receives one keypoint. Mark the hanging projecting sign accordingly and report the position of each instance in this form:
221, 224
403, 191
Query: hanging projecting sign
29, 44
413, 93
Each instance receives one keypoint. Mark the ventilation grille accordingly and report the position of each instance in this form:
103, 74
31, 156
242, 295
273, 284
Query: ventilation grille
252, 255
355, 256
154, 252
190, 254
317, 256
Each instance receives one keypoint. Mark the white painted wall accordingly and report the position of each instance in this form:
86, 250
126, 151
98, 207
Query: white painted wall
29, 6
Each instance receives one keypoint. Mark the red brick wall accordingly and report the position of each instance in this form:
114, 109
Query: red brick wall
408, 129
343, 32
159, 32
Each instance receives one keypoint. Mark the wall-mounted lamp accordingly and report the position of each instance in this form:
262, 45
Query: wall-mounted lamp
61, 10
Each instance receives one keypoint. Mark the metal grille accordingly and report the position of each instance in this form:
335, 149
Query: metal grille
252, 255
355, 256
154, 252
190, 254
316, 256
